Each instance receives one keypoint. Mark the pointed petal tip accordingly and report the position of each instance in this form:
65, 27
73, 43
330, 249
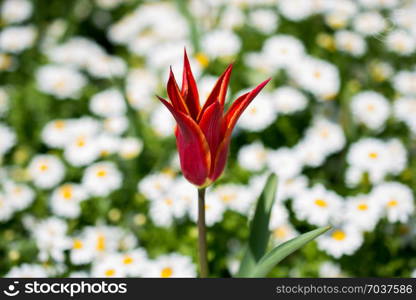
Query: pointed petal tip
160, 98
263, 84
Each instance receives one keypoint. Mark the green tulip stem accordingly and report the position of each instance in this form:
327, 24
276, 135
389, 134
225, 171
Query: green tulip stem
202, 235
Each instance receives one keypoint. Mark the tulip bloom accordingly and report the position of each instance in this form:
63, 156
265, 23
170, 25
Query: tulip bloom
203, 133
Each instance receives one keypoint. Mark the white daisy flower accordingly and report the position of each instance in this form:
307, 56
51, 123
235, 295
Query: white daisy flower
109, 266
116, 125
82, 150
283, 51
130, 147
295, 10
371, 109
16, 11
329, 269
317, 205
264, 20
283, 233
96, 242
140, 84
134, 262
154, 186
108, 103
350, 42
60, 81
20, 194
401, 42
405, 111
27, 271
57, 133
235, 197
51, 239
341, 241
279, 216
65, 200
288, 100
369, 23
259, 114
317, 76
102, 178
106, 66
165, 209
6, 208
404, 82
253, 157
284, 162
15, 39
397, 199
46, 171
171, 265
221, 43
162, 122
327, 134
362, 211
7, 139
290, 187
370, 155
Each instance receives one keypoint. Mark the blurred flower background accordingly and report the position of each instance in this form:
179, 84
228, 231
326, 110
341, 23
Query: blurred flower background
89, 180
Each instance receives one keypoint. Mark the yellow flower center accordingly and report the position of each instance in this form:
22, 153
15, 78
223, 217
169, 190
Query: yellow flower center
370, 107
66, 192
362, 206
166, 272
17, 190
80, 142
100, 243
392, 203
110, 272
339, 235
324, 132
77, 244
43, 167
127, 260
104, 153
101, 173
280, 232
202, 59
168, 201
59, 124
321, 203
373, 155
227, 198
261, 155
59, 85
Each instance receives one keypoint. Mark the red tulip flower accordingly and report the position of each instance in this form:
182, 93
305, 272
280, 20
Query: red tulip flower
203, 134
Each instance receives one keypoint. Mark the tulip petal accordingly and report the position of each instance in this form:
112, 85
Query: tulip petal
189, 89
239, 105
219, 92
220, 159
211, 125
230, 119
175, 95
194, 153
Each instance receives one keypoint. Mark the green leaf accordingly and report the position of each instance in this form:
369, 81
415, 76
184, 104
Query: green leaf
259, 228
271, 259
